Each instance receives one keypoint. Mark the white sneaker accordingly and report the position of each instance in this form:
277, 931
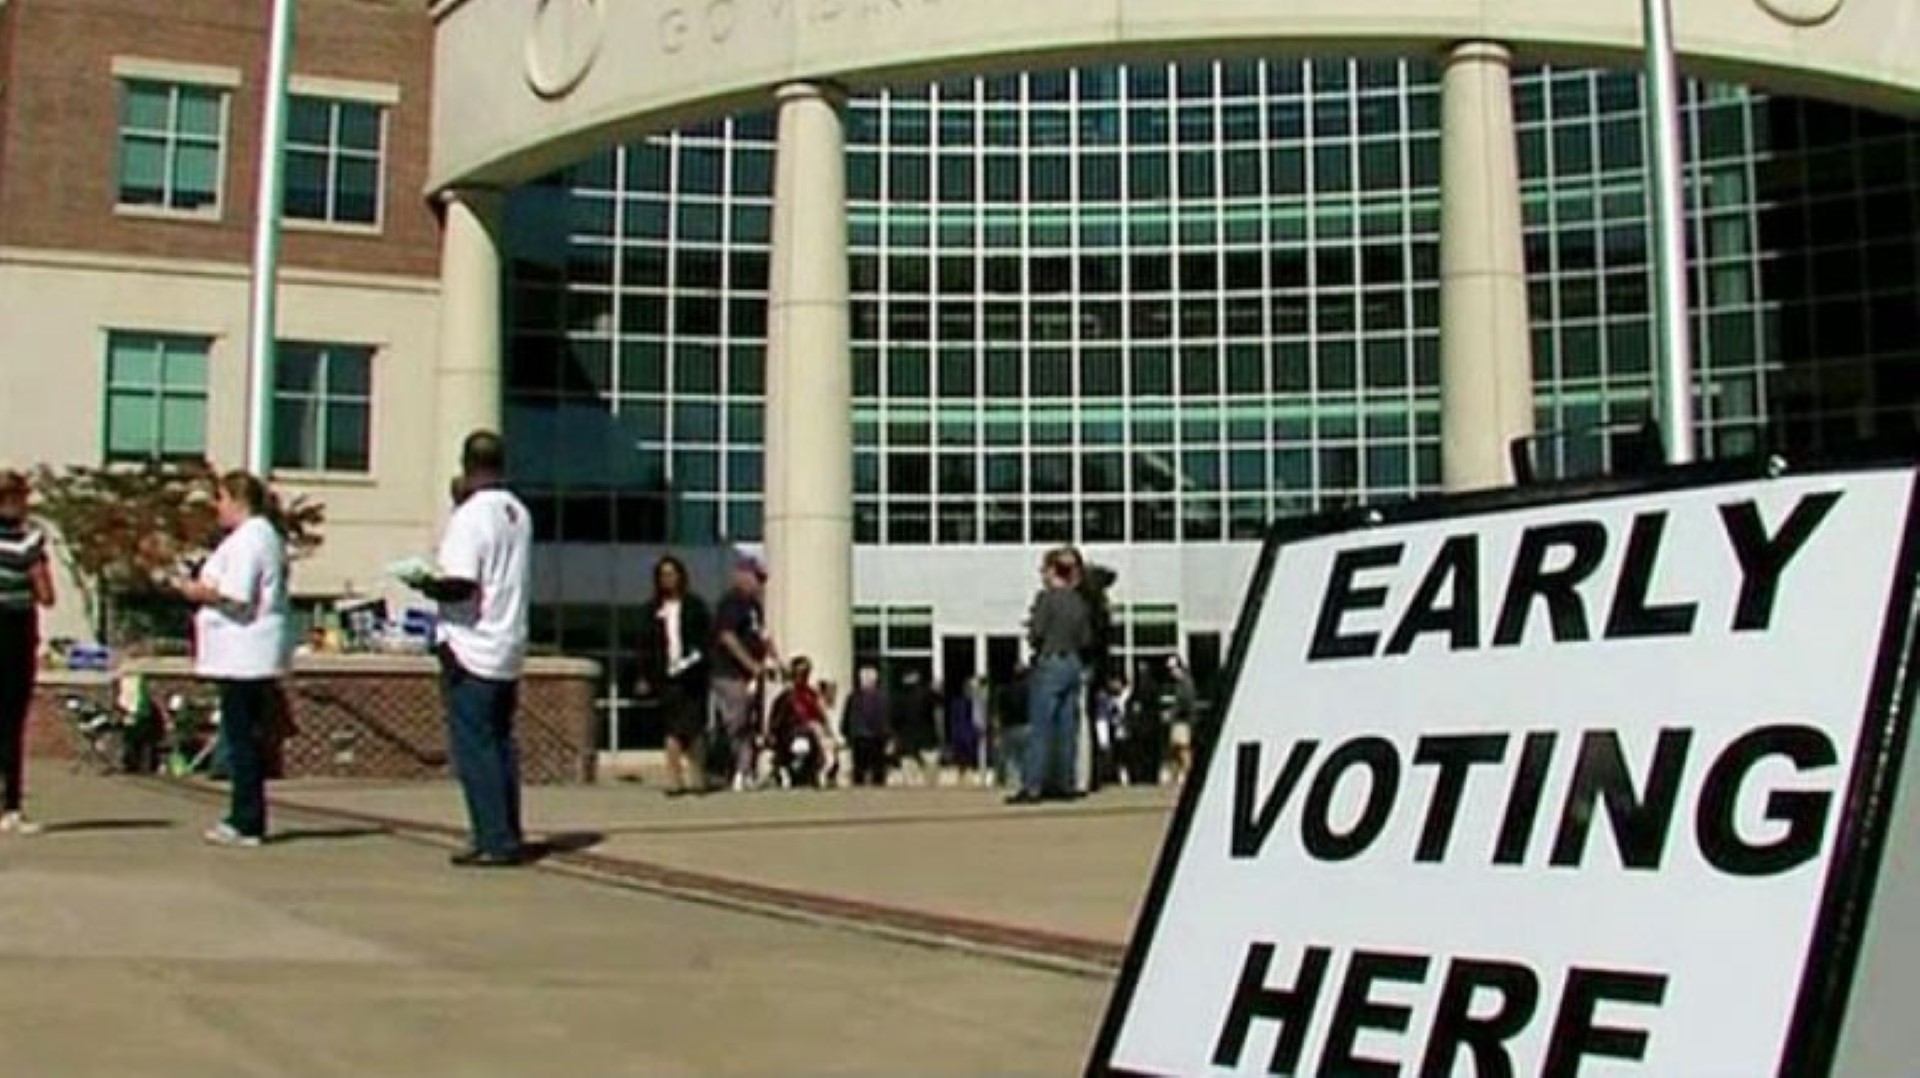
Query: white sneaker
223, 834
15, 824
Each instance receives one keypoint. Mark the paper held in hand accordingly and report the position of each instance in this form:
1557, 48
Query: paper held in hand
411, 570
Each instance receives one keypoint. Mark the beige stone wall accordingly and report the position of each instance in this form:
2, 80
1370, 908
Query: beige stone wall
522, 87
56, 310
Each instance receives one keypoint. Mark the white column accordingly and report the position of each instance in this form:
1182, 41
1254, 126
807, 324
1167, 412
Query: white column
1486, 366
809, 459
467, 380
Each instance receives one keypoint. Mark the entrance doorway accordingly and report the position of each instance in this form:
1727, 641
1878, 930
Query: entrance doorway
959, 660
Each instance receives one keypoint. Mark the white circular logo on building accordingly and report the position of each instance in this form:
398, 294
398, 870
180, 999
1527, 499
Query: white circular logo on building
1802, 12
563, 41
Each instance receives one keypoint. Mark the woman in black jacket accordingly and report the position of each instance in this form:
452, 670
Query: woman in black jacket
675, 628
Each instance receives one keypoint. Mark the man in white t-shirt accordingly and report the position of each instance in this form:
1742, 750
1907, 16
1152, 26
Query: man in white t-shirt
481, 586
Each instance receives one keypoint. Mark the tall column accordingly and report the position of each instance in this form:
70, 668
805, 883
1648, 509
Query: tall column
1486, 367
809, 458
467, 379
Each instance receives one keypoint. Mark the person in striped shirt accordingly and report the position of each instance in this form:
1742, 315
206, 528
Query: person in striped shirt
25, 586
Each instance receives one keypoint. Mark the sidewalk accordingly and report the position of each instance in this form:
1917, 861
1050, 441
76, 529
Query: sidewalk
1071, 875
128, 947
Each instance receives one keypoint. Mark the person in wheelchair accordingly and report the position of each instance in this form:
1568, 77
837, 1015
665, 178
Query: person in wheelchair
802, 744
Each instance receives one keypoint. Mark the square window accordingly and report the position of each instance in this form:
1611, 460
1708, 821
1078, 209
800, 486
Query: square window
156, 396
323, 407
334, 160
171, 145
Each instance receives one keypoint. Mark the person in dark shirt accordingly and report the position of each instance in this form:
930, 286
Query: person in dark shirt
916, 727
741, 652
26, 585
675, 633
867, 726
1060, 628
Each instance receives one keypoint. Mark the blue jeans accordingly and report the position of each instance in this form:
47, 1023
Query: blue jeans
480, 733
246, 712
1053, 697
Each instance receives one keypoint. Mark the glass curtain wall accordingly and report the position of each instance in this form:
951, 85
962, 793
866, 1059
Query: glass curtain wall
1166, 303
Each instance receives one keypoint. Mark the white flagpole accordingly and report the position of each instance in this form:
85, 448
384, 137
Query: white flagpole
1661, 115
261, 320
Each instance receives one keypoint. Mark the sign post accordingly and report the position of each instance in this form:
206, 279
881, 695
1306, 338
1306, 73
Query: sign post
1507, 785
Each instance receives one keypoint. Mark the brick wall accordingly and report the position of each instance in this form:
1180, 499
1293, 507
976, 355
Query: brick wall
379, 718
59, 133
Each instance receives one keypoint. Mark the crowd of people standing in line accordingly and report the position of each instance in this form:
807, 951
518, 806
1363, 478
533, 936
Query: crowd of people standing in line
737, 716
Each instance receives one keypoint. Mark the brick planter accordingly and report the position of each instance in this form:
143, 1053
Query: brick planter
374, 716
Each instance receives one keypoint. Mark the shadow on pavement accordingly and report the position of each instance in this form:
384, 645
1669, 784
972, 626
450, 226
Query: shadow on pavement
75, 827
564, 842
324, 834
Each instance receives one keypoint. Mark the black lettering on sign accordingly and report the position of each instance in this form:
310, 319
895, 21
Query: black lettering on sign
1455, 756
1250, 830
1576, 1035
1455, 1027
1291, 1007
1584, 542
1357, 1010
1456, 574
1639, 821
1804, 812
1764, 559
1523, 799
1631, 615
1377, 756
1344, 598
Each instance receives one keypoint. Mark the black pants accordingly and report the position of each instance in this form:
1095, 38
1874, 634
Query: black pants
869, 761
19, 647
246, 715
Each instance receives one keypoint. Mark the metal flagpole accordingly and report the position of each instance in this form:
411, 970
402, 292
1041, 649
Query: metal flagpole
1661, 116
261, 320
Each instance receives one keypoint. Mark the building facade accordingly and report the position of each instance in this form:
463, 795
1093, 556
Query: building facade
1149, 309
129, 136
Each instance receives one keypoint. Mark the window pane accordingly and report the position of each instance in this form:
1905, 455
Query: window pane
298, 369
143, 170
133, 425
186, 365
360, 126
134, 363
347, 437
200, 112
295, 431
306, 191
358, 199
309, 121
196, 176
183, 423
753, 172
350, 373
143, 106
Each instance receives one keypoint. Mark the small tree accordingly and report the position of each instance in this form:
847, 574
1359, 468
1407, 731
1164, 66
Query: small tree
125, 530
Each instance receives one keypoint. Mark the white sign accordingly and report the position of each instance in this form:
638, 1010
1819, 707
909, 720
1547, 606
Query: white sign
1570, 789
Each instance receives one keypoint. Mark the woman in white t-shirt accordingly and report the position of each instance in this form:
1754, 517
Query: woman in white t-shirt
242, 646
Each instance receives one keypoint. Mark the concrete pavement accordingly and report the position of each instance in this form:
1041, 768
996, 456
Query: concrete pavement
128, 947
1065, 879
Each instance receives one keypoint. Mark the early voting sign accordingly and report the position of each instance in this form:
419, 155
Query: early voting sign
1590, 787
